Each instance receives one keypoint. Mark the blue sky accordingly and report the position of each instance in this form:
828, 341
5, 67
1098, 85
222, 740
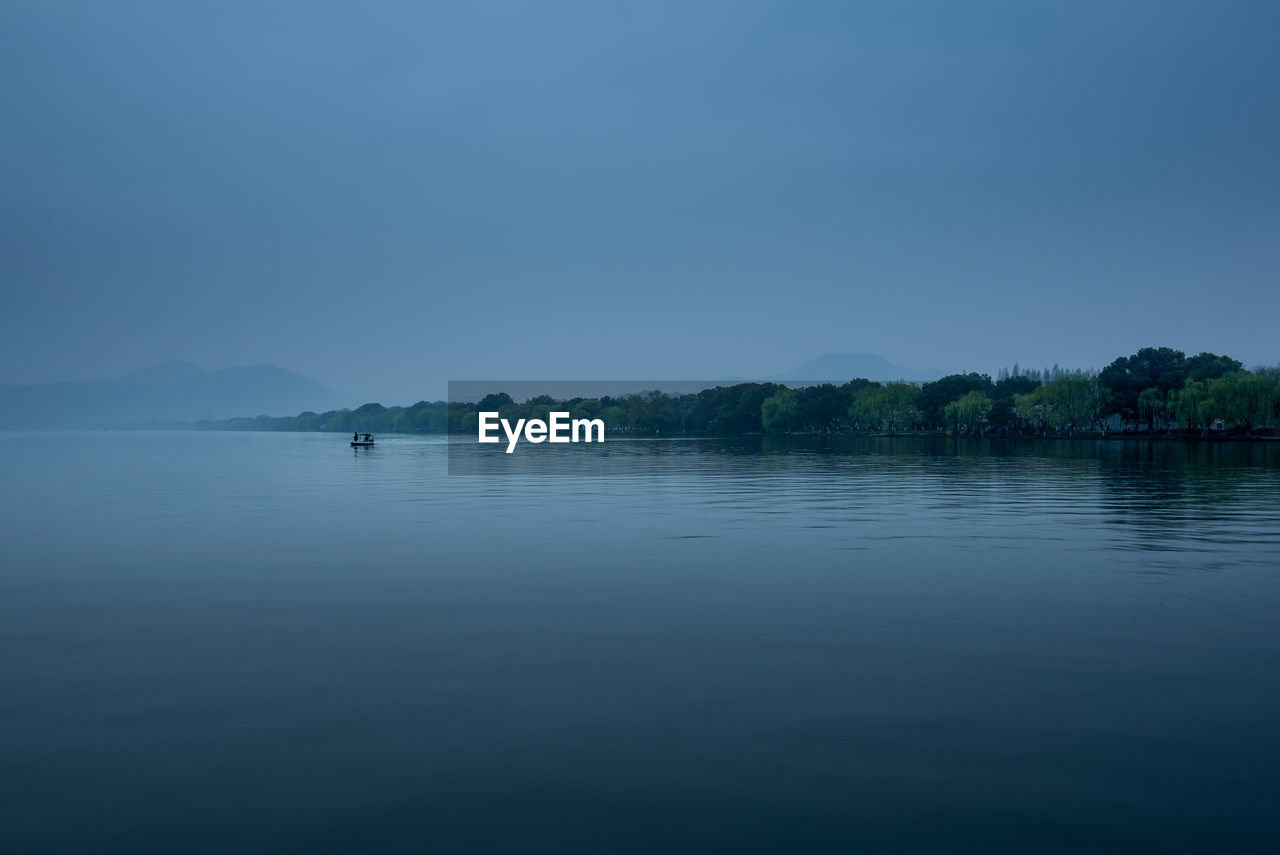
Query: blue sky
387, 196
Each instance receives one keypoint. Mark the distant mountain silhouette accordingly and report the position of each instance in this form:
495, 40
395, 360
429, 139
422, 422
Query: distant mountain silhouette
842, 367
169, 392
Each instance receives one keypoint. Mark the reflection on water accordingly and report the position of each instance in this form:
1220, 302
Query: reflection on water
267, 642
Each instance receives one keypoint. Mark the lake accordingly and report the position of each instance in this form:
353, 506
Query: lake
258, 642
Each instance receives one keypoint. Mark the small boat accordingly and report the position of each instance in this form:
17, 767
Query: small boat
362, 440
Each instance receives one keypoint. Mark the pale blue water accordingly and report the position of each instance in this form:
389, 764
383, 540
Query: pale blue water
215, 642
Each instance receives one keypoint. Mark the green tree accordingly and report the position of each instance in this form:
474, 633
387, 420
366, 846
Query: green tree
823, 407
1034, 409
1151, 406
1210, 366
1128, 377
888, 407
778, 412
968, 412
1073, 401
614, 416
1191, 405
494, 402
1243, 398
1002, 415
932, 397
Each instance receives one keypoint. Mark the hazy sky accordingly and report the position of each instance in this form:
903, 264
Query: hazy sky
388, 196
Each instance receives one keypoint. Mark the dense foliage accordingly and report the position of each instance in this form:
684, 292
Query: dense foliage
1153, 390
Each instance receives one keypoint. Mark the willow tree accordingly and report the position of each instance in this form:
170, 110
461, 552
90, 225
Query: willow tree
1151, 407
968, 412
778, 412
1075, 401
1243, 398
886, 407
1191, 405
1034, 409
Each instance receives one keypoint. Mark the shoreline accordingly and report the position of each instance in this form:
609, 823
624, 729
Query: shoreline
637, 434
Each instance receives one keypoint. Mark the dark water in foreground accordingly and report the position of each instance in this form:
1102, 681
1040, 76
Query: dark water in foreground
270, 643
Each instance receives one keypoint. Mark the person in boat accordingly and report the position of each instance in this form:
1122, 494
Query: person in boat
355, 437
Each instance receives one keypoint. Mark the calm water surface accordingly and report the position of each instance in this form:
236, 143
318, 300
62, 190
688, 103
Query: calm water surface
217, 642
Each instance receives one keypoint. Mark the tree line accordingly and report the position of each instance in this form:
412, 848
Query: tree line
1156, 390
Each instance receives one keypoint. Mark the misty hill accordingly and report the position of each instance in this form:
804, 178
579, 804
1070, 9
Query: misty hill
169, 392
842, 367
